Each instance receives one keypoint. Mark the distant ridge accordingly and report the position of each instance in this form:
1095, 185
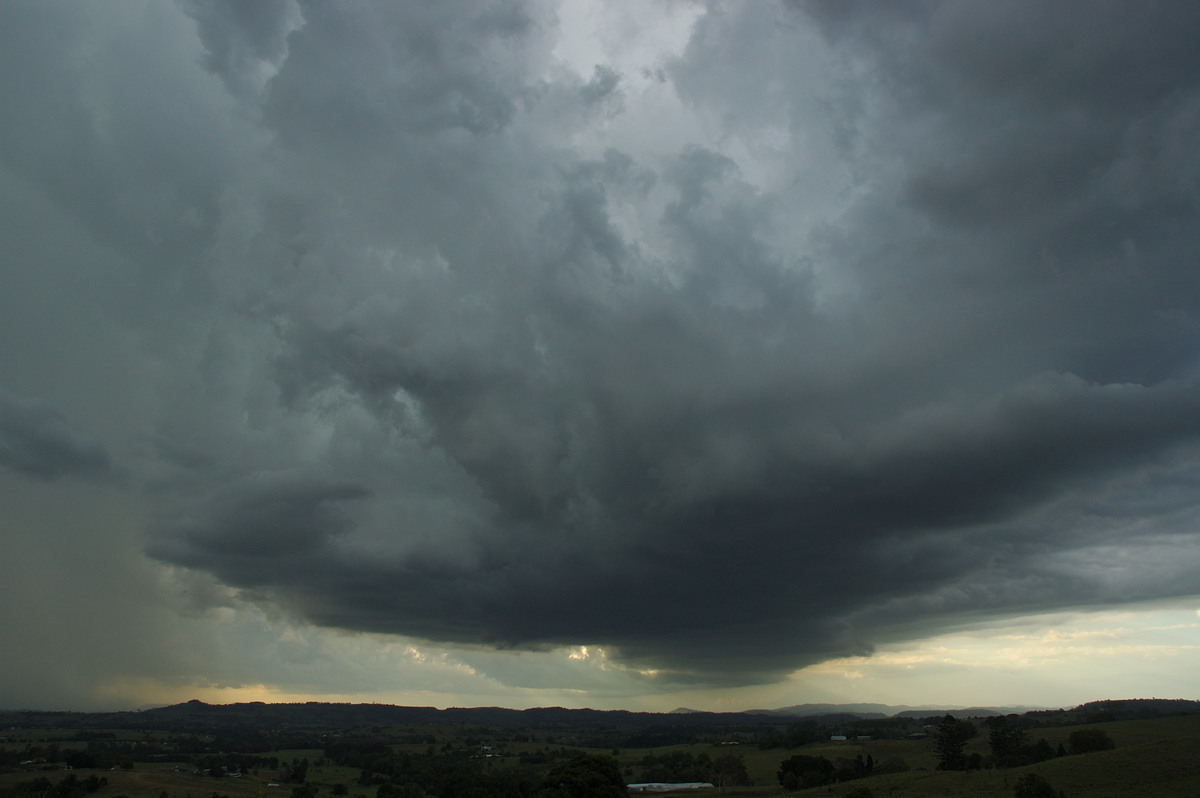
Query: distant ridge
200, 716
1140, 707
868, 711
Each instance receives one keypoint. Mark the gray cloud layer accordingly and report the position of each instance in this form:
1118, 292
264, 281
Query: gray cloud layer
905, 337
39, 442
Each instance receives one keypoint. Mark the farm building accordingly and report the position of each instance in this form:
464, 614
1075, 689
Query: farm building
663, 786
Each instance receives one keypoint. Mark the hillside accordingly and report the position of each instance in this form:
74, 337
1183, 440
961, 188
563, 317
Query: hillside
234, 758
1153, 759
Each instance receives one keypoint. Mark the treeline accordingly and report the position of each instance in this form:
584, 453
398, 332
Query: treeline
456, 774
452, 772
603, 728
97, 755
819, 729
102, 752
1009, 743
726, 770
69, 787
802, 772
1133, 708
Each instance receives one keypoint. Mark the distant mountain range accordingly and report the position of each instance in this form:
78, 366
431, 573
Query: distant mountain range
888, 711
868, 711
198, 715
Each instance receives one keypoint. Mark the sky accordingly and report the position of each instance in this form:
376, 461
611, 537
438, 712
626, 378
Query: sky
608, 354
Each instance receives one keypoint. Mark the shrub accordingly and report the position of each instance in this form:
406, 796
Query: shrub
1085, 741
1031, 785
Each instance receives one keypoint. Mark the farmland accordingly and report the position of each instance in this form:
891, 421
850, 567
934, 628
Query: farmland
311, 751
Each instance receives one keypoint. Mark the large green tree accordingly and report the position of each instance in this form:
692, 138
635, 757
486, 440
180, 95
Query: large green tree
585, 776
801, 772
1031, 785
728, 771
1085, 741
949, 740
1007, 741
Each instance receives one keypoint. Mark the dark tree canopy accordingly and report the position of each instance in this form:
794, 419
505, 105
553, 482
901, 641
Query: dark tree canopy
949, 740
1031, 785
801, 772
1006, 740
1085, 741
585, 776
729, 771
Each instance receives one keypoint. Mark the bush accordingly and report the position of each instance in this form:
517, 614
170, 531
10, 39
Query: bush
1085, 741
1031, 785
585, 776
893, 764
801, 772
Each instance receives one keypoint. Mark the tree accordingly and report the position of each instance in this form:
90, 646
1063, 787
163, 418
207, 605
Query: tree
1085, 741
400, 791
1006, 741
1031, 785
851, 769
585, 776
893, 764
295, 773
801, 772
1038, 752
728, 771
949, 739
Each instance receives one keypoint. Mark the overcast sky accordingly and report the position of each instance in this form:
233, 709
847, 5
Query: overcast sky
612, 354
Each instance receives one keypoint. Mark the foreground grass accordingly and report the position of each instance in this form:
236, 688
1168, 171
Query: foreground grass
1154, 759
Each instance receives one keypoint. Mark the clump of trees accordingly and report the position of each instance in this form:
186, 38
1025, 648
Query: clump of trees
1010, 744
793, 736
801, 772
950, 740
1086, 741
727, 770
585, 776
1031, 785
69, 787
675, 766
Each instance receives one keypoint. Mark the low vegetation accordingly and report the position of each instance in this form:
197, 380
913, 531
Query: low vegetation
556, 753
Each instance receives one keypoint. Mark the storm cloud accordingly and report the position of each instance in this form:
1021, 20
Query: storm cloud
39, 442
841, 325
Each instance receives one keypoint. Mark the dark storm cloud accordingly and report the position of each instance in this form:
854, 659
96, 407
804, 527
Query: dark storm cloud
906, 339
275, 518
695, 462
39, 442
245, 42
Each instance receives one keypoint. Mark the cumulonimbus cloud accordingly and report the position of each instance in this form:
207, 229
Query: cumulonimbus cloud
838, 326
